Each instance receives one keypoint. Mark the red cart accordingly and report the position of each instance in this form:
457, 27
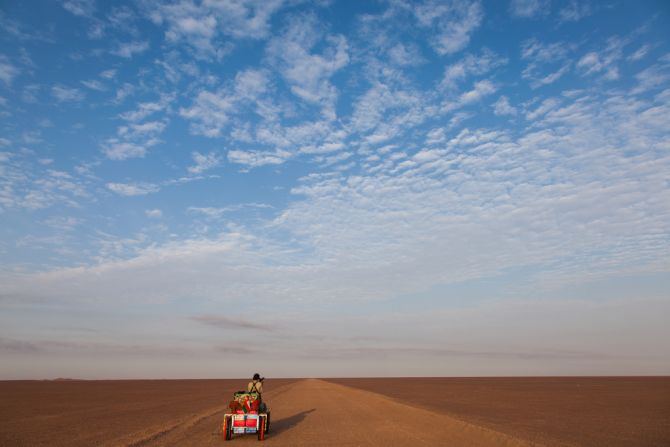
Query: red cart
248, 414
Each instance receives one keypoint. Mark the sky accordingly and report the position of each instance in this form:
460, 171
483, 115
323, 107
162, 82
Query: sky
213, 188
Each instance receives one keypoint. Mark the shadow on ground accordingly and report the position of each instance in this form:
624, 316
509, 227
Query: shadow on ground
284, 424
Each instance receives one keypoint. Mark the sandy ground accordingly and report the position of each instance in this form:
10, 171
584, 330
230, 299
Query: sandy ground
555, 411
304, 413
449, 412
318, 413
105, 413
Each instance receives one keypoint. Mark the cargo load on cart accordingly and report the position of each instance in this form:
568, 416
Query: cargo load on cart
248, 414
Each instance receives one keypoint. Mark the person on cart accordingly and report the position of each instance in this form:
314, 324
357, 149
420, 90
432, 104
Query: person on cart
256, 384
248, 413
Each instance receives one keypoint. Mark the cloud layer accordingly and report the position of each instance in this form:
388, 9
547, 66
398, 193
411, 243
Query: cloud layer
372, 185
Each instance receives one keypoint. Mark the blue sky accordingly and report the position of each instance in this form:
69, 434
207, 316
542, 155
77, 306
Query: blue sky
210, 188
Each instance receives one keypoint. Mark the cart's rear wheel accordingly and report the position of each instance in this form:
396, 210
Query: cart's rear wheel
261, 428
227, 428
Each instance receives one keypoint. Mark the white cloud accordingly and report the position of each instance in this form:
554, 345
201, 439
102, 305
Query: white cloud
246, 18
590, 62
189, 25
209, 212
123, 18
197, 31
477, 137
458, 118
575, 11
30, 93
454, 22
546, 105
308, 73
575, 190
135, 137
7, 71
211, 111
66, 94
604, 61
529, 8
82, 8
323, 148
215, 213
96, 29
640, 53
128, 49
533, 49
653, 77
20, 31
95, 85
435, 136
254, 159
547, 62
383, 110
204, 162
204, 26
142, 130
123, 92
503, 107
405, 54
63, 223
32, 137
27, 183
551, 77
154, 213
311, 137
333, 159
250, 84
488, 202
146, 109
133, 189
108, 74
479, 90
123, 150
471, 65
537, 152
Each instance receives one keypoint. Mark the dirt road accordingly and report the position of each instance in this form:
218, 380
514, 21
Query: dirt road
317, 413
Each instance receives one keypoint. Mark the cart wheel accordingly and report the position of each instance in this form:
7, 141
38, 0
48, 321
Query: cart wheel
261, 429
227, 428
267, 423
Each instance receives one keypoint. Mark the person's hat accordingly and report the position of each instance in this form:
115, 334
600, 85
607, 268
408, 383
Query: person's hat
257, 376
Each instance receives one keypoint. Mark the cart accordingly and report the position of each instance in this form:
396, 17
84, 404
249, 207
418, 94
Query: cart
248, 414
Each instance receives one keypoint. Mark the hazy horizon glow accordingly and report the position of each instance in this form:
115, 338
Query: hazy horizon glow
386, 188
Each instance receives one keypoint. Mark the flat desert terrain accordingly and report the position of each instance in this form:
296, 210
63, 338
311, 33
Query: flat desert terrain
551, 411
343, 412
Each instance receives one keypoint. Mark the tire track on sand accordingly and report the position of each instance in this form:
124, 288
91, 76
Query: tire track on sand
182, 426
187, 429
313, 412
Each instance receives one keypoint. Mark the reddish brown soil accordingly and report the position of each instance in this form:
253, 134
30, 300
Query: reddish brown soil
87, 413
585, 411
313, 413
394, 412
178, 413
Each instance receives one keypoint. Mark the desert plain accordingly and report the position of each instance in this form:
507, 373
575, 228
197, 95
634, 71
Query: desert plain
539, 411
